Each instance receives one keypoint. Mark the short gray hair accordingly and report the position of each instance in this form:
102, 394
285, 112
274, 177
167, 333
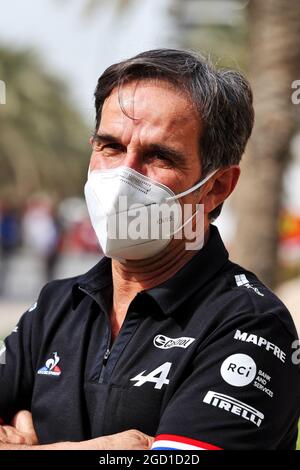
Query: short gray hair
222, 97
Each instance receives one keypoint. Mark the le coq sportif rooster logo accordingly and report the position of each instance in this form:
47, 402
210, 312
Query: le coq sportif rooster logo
51, 367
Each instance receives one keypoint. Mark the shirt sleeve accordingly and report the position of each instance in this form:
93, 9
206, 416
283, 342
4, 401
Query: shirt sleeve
16, 373
241, 392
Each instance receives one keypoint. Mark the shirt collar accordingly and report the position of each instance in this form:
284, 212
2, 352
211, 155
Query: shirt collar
172, 293
92, 282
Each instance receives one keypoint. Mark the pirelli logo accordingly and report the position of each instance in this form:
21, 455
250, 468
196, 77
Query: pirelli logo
227, 403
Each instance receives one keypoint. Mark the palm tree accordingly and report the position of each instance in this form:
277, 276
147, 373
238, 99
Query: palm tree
271, 57
274, 65
42, 135
224, 39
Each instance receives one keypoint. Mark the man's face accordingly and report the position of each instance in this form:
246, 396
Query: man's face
161, 142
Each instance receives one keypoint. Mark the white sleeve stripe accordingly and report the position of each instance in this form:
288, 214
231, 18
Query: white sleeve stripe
175, 445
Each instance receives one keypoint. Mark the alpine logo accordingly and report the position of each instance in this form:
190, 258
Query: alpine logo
232, 405
158, 376
242, 281
51, 367
163, 342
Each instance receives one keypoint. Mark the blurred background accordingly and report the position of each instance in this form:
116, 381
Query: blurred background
51, 55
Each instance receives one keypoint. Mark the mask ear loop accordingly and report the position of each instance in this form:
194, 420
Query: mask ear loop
89, 171
188, 191
192, 189
185, 222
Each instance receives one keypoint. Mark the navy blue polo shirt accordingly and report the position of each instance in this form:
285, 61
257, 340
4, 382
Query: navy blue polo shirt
205, 360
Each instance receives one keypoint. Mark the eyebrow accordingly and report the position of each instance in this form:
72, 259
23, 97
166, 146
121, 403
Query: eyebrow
167, 151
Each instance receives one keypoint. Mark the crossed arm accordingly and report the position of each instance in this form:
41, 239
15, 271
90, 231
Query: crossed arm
20, 435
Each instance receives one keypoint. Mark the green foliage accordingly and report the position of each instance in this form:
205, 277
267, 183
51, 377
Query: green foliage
226, 45
43, 139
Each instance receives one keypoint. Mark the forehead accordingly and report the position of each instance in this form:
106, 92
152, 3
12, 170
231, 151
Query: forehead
155, 106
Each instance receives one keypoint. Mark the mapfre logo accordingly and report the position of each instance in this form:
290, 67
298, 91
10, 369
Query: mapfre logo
163, 342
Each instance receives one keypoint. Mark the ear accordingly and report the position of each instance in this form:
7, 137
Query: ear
222, 185
91, 140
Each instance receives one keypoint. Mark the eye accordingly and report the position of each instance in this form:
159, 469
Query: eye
156, 155
111, 146
161, 158
107, 148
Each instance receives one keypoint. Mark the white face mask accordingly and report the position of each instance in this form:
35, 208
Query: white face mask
125, 209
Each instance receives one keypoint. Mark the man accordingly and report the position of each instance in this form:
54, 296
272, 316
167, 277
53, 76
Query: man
159, 340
